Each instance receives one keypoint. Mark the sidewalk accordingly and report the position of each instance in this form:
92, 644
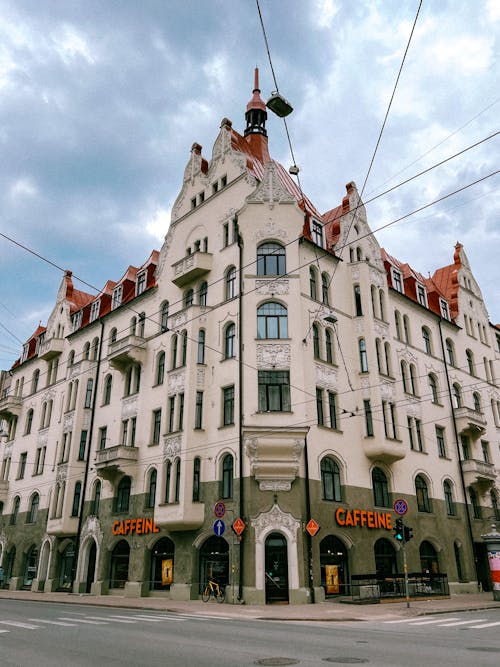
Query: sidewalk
323, 612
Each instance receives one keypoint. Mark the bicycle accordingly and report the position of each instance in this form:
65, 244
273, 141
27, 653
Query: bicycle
213, 588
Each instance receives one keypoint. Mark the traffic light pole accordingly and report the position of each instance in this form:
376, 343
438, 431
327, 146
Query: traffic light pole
405, 570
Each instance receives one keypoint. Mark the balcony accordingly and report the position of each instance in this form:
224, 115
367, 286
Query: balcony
177, 516
4, 490
387, 451
127, 351
191, 268
51, 348
10, 406
470, 422
64, 525
113, 462
479, 474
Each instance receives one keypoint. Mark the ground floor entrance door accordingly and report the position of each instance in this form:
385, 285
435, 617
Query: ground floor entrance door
90, 568
276, 569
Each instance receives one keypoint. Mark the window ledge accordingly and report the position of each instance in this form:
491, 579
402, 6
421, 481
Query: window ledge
325, 427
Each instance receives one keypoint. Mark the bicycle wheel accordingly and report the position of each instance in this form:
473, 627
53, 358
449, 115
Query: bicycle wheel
221, 594
205, 596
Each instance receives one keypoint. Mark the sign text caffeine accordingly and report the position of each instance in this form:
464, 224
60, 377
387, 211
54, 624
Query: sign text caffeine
366, 518
137, 526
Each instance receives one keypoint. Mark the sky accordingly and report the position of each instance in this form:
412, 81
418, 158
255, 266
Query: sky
101, 101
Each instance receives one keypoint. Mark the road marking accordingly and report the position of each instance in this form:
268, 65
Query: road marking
2, 631
42, 620
82, 620
414, 620
17, 624
452, 625
159, 618
107, 618
485, 625
435, 620
206, 617
140, 618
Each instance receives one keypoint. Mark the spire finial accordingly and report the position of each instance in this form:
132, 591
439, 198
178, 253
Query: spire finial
256, 80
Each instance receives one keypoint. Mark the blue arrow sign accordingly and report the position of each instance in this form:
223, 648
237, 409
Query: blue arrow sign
219, 527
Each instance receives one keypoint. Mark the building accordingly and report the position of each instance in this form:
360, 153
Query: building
269, 357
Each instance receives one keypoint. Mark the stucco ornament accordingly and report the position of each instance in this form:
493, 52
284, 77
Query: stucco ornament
92, 528
276, 519
326, 376
129, 406
176, 382
271, 189
278, 287
171, 446
273, 355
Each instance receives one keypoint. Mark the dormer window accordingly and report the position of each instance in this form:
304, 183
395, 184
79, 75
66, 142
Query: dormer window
223, 181
76, 320
117, 297
26, 348
193, 202
201, 197
397, 280
421, 295
94, 310
317, 233
141, 282
445, 311
215, 187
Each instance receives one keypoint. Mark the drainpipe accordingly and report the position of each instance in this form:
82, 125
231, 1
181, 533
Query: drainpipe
87, 456
308, 516
457, 445
240, 404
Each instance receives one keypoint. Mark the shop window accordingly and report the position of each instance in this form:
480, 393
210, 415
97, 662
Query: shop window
119, 565
162, 564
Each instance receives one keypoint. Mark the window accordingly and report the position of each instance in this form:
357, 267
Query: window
117, 297
456, 395
319, 406
448, 498
271, 259
86, 350
83, 445
316, 345
88, 393
312, 283
228, 406
76, 320
201, 347
464, 439
317, 233
325, 282
485, 449
415, 433
29, 422
188, 298
151, 495
387, 355
445, 311
368, 417
328, 346
381, 299
108, 384
477, 401
202, 294
171, 413
168, 475
103, 436
33, 511
155, 440
330, 479
404, 375
363, 359
274, 391
160, 368
494, 504
75, 508
406, 328
94, 310
112, 335
177, 490
97, 498
141, 283
164, 316
229, 341
389, 416
227, 476
175, 343
181, 412
123, 495
198, 413
196, 479
272, 321
440, 442
421, 295
15, 510
230, 283
34, 381
22, 465
450, 352
357, 300
433, 387
380, 488
470, 361
423, 502
476, 507
184, 339
426, 335
39, 460
397, 280
397, 320
225, 235
332, 409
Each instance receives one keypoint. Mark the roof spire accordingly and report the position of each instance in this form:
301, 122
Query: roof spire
256, 116
256, 81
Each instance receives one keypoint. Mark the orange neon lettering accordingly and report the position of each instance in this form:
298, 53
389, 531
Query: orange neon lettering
381, 521
115, 527
355, 514
348, 519
375, 520
339, 516
370, 520
149, 525
126, 526
388, 521
155, 528
132, 525
138, 526
363, 517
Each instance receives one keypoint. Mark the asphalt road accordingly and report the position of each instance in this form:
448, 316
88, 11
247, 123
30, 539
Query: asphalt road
41, 634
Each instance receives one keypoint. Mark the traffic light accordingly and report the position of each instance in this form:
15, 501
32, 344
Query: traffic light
408, 533
398, 530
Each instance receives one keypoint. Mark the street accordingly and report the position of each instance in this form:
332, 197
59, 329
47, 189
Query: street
45, 634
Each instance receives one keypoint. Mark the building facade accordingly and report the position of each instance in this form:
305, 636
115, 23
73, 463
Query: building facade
268, 366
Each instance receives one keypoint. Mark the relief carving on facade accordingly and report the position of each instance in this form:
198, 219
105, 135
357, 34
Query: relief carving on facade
270, 189
278, 287
381, 328
387, 391
62, 472
179, 319
176, 382
355, 272
68, 421
42, 437
376, 277
171, 446
129, 406
273, 355
270, 230
200, 377
275, 518
326, 376
413, 407
92, 528
405, 354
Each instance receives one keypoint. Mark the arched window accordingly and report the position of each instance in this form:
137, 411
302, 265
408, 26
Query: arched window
324, 288
433, 386
428, 558
29, 422
363, 359
75, 508
177, 489
229, 341
201, 347
387, 355
448, 498
35, 379
494, 504
470, 361
196, 479
422, 493
164, 316
95, 348
184, 338
328, 346
34, 505
312, 283
456, 394
397, 320
151, 495
202, 294
227, 476
450, 351
378, 355
426, 336
86, 350
168, 476
15, 510
188, 298
404, 375
175, 343
330, 479
141, 324
271, 259
316, 344
380, 488
358, 254
112, 335
357, 300
476, 507
272, 321
406, 328
71, 359
119, 565
96, 498
123, 495
230, 283
477, 401
88, 393
381, 299
413, 379
108, 384
373, 296
162, 564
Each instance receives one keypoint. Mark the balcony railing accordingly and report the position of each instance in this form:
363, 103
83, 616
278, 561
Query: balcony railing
115, 461
191, 268
479, 473
51, 348
10, 406
470, 422
180, 516
127, 351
